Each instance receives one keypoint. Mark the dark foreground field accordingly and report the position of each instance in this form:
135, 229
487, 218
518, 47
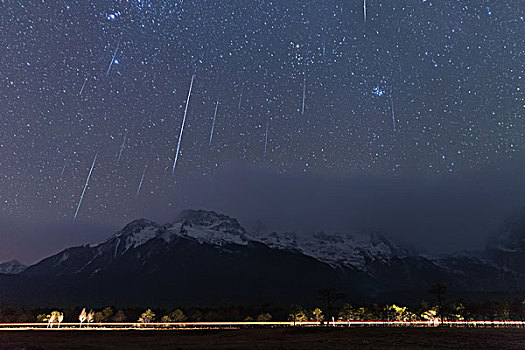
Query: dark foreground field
278, 338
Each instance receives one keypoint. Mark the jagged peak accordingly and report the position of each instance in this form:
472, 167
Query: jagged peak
210, 219
338, 249
137, 226
396, 248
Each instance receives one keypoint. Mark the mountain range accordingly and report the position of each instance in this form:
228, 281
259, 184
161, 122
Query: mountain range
206, 258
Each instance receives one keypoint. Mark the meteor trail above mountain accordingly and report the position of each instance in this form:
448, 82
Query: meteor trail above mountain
182, 126
138, 81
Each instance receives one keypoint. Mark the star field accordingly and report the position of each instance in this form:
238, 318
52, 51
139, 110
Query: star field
433, 87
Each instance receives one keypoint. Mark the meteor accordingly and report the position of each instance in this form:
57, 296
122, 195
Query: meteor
213, 123
121, 148
142, 179
64, 167
85, 186
183, 123
304, 94
82, 89
393, 113
266, 139
113, 59
240, 97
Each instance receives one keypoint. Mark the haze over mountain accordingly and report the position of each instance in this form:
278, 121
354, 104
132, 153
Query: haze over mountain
435, 215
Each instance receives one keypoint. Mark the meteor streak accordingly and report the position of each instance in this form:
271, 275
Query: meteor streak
364, 9
183, 123
113, 59
85, 186
393, 113
82, 89
142, 179
266, 139
64, 167
304, 94
213, 123
121, 148
240, 98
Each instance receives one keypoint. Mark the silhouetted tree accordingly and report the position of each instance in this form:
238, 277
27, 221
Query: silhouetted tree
318, 315
265, 317
399, 313
178, 316
439, 290
430, 315
195, 315
60, 318
454, 311
175, 316
90, 316
120, 316
297, 314
83, 316
106, 314
51, 319
347, 313
147, 317
330, 296
55, 317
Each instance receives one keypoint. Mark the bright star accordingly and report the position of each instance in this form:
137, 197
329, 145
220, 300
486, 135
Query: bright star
378, 91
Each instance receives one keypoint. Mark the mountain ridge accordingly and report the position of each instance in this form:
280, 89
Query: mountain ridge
204, 257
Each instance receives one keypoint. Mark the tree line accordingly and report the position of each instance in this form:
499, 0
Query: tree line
331, 306
448, 311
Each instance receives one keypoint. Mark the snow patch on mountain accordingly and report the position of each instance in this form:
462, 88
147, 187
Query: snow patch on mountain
12, 267
205, 234
208, 227
136, 233
337, 249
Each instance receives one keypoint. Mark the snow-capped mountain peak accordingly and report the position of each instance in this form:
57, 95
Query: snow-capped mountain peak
136, 228
12, 267
136, 233
212, 220
335, 249
208, 227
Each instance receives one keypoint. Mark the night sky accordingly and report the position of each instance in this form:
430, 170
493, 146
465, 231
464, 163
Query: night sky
412, 90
